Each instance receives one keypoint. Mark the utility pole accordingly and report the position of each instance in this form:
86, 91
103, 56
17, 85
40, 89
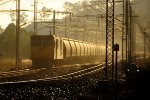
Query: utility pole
54, 22
35, 17
17, 32
65, 26
144, 45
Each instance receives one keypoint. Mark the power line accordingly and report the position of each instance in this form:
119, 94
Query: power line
5, 2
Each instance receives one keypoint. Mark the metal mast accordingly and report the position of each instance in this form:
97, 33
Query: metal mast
54, 22
17, 32
144, 45
127, 28
124, 38
35, 17
109, 35
128, 31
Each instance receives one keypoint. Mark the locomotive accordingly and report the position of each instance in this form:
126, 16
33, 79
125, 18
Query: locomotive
51, 50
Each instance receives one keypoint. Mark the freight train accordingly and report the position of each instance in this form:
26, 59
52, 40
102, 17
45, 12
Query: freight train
51, 50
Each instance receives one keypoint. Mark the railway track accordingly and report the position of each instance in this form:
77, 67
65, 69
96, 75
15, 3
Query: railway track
80, 73
30, 70
76, 74
19, 72
56, 73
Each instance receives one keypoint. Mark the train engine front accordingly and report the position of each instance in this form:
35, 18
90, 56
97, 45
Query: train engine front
43, 49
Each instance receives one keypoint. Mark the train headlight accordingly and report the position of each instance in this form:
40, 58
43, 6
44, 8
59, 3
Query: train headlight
138, 70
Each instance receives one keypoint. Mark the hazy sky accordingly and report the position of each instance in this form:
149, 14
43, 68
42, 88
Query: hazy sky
28, 4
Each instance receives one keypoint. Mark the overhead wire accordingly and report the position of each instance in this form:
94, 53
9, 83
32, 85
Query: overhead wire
5, 2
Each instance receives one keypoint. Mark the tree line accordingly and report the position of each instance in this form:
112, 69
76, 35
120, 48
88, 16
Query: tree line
8, 42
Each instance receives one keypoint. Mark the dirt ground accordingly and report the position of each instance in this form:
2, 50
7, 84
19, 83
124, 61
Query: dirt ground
9, 64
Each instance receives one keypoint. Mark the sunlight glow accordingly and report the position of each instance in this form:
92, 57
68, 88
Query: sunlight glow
28, 5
